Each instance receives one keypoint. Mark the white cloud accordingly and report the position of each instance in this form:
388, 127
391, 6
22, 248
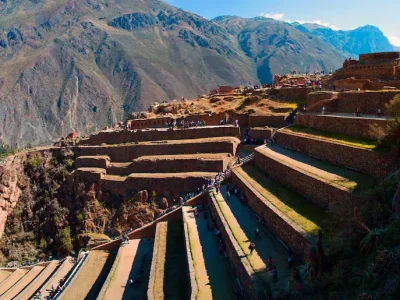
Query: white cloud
394, 40
319, 22
273, 16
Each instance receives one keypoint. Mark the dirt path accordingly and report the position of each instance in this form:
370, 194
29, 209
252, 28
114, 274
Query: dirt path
12, 279
267, 246
87, 283
61, 272
23, 282
214, 276
38, 281
129, 266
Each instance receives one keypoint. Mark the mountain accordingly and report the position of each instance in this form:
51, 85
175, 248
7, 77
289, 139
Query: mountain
79, 65
352, 43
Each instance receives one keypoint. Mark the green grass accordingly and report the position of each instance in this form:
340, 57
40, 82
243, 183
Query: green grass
301, 211
335, 137
6, 151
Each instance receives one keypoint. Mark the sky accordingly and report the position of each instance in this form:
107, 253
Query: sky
337, 14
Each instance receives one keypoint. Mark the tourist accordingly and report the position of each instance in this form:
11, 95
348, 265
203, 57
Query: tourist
379, 113
258, 236
323, 110
252, 246
196, 212
358, 112
228, 194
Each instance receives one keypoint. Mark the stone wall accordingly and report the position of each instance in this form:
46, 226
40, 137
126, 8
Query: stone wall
351, 126
128, 152
378, 56
92, 162
316, 97
347, 102
236, 256
277, 222
291, 93
369, 162
169, 185
261, 133
271, 121
383, 72
189, 261
316, 189
130, 136
177, 165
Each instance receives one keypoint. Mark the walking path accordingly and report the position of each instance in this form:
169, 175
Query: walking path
267, 246
348, 116
12, 279
4, 273
29, 290
214, 276
23, 282
335, 175
54, 281
134, 262
88, 281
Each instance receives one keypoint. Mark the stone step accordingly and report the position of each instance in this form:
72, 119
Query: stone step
343, 124
128, 152
168, 276
288, 215
58, 276
23, 282
39, 281
325, 185
132, 262
250, 268
125, 136
210, 272
355, 155
12, 279
88, 281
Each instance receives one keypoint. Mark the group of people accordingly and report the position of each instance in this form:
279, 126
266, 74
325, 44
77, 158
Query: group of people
358, 112
182, 123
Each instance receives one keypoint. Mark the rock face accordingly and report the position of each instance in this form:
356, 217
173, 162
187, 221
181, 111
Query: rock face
78, 66
10, 187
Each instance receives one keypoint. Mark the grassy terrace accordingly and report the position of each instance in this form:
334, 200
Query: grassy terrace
333, 137
331, 174
176, 282
307, 215
242, 239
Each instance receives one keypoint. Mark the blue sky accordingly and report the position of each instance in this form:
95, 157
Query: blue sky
337, 14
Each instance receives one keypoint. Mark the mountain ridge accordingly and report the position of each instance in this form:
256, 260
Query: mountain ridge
82, 65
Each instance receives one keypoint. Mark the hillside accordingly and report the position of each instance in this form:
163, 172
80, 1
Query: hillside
366, 39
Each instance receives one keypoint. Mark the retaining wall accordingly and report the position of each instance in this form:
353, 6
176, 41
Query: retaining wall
315, 97
260, 133
130, 136
347, 102
128, 152
291, 93
356, 126
271, 121
92, 162
369, 162
316, 189
243, 270
279, 224
189, 262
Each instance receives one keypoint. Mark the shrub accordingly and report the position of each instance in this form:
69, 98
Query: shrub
34, 163
391, 137
65, 241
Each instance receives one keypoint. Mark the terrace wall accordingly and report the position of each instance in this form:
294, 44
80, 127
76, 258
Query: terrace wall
171, 185
291, 93
357, 127
236, 256
368, 101
279, 224
259, 133
126, 153
92, 162
317, 190
370, 162
271, 121
316, 97
128, 136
